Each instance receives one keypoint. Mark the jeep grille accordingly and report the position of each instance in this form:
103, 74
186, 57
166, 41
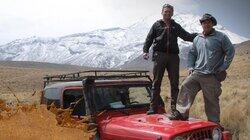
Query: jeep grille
200, 134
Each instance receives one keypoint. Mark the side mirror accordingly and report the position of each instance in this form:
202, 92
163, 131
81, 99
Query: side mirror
72, 105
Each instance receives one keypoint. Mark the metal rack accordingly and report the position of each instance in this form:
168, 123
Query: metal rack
97, 75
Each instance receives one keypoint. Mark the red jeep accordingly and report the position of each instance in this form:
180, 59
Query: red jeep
118, 101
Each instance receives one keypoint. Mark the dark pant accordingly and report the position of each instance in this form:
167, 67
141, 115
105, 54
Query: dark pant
170, 62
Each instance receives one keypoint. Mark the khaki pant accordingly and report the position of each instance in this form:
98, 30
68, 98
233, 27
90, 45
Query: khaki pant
211, 89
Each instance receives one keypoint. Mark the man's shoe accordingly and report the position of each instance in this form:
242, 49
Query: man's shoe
221, 127
176, 115
151, 111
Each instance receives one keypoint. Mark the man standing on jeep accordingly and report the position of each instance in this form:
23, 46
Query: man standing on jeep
163, 35
210, 56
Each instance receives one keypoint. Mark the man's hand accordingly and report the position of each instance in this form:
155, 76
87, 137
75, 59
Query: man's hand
145, 56
190, 71
219, 70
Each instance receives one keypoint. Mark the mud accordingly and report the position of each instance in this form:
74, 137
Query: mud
29, 122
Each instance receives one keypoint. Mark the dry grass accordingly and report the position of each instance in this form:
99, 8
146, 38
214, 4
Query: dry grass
24, 83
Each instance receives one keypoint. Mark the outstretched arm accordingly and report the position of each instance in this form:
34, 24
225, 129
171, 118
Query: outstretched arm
186, 35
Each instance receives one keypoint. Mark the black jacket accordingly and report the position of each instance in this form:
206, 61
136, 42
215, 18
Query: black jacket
164, 40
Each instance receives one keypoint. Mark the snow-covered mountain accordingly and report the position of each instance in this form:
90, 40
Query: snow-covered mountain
107, 48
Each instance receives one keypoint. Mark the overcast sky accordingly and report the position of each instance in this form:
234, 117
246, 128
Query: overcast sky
54, 18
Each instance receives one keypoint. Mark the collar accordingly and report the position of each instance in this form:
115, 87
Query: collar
212, 33
209, 34
171, 21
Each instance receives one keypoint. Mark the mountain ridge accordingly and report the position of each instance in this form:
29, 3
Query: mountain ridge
103, 48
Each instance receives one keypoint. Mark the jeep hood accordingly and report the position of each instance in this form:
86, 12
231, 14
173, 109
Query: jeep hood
142, 125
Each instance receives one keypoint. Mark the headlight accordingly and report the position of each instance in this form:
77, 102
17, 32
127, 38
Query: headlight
216, 134
179, 138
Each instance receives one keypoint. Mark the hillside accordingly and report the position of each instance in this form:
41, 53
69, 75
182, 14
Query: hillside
24, 79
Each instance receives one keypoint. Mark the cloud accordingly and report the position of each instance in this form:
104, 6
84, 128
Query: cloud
20, 19
184, 5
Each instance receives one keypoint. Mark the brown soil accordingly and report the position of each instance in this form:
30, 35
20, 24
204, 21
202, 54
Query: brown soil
29, 122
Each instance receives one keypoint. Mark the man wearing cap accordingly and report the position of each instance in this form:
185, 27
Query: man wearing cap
163, 35
210, 56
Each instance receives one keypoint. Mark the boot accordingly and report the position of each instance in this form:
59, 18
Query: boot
176, 115
173, 109
151, 111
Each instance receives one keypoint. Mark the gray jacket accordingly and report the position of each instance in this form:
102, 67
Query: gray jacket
211, 54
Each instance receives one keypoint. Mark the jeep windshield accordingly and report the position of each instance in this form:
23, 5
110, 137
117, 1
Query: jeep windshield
118, 97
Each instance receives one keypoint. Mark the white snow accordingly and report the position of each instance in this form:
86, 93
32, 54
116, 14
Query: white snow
107, 48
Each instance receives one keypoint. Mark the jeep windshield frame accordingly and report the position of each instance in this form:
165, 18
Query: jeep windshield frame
90, 77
